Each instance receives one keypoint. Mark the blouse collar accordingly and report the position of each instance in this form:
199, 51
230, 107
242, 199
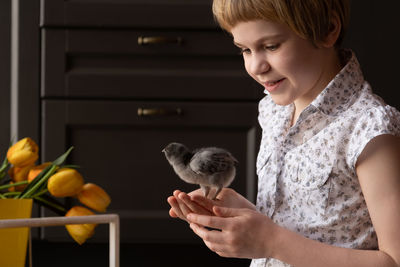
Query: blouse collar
338, 93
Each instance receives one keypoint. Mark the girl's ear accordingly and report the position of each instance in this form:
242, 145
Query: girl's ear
334, 32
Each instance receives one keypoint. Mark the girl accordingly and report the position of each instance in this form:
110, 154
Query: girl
328, 164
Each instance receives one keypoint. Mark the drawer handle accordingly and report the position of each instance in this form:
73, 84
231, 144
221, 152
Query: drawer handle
148, 40
158, 112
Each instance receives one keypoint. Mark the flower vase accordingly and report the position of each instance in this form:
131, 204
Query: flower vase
14, 241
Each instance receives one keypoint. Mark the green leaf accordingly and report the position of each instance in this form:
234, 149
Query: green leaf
4, 165
60, 160
2, 175
3, 168
11, 185
41, 192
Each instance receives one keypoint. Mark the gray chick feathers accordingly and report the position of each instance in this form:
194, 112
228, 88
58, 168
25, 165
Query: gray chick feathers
209, 167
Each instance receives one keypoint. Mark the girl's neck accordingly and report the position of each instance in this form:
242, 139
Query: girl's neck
332, 68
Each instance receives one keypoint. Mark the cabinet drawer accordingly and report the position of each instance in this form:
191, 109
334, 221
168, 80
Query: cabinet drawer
112, 64
121, 151
128, 13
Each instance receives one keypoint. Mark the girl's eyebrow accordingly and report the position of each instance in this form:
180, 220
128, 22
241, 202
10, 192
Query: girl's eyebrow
261, 40
237, 44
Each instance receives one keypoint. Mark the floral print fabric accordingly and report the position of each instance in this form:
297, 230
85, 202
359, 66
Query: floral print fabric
307, 177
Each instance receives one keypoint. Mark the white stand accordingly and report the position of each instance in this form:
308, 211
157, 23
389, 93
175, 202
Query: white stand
111, 219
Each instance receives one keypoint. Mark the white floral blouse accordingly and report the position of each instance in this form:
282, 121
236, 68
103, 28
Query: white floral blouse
307, 177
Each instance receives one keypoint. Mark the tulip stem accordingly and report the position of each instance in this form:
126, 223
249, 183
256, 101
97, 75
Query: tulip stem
3, 167
31, 191
11, 194
44, 191
54, 206
13, 184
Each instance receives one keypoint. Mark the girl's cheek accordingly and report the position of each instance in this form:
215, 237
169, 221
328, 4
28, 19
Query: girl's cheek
247, 67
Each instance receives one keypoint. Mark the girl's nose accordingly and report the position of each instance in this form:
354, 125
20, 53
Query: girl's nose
258, 64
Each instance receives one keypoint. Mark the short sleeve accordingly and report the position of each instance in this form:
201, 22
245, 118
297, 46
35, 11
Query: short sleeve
372, 123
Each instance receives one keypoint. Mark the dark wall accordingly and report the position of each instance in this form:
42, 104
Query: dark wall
4, 76
372, 35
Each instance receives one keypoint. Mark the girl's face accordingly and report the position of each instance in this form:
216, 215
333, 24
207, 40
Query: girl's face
290, 68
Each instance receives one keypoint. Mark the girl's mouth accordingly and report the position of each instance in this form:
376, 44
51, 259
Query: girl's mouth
271, 86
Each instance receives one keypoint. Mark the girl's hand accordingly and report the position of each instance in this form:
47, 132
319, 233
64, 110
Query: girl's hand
182, 204
244, 233
226, 198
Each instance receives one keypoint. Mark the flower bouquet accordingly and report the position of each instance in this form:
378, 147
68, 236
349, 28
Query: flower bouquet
20, 178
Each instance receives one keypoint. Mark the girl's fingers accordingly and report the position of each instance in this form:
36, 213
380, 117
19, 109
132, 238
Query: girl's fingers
179, 203
207, 220
193, 206
172, 213
185, 210
211, 236
182, 204
175, 210
203, 201
176, 193
178, 208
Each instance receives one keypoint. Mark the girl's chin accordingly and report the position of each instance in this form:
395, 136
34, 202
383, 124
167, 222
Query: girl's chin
281, 100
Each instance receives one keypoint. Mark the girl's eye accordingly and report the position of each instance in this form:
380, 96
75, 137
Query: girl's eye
271, 47
244, 51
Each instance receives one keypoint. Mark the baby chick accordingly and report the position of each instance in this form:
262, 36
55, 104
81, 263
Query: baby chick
209, 167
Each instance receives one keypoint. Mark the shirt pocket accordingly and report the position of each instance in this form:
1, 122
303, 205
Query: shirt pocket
309, 187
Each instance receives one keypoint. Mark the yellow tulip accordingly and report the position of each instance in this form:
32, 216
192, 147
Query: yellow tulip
65, 182
24, 152
94, 197
34, 171
80, 232
19, 174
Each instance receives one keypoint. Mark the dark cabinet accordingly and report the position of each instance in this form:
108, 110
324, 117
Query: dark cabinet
193, 14
119, 80
112, 63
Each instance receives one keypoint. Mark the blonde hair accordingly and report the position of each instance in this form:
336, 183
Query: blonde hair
310, 19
